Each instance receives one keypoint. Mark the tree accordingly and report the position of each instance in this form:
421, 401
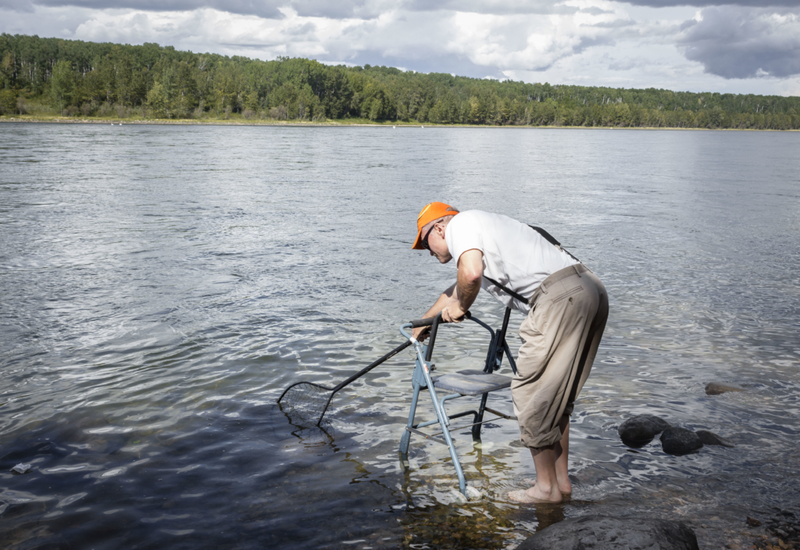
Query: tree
69, 73
8, 102
62, 84
158, 100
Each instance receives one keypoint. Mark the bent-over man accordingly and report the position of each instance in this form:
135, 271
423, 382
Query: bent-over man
566, 308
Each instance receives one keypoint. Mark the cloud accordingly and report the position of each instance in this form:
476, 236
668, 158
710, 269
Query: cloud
594, 10
633, 43
710, 3
267, 9
340, 9
492, 7
736, 42
446, 63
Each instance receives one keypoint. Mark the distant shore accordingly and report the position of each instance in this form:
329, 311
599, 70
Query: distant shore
330, 124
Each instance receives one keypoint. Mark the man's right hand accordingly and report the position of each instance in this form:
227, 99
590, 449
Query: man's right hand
421, 333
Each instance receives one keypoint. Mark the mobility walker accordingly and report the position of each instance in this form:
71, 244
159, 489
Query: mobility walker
465, 383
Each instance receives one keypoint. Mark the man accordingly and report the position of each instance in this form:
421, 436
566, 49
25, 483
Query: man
566, 308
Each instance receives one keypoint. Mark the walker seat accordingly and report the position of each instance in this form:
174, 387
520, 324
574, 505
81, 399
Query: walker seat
465, 383
472, 382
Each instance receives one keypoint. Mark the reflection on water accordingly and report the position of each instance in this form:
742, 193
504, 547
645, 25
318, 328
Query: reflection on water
162, 286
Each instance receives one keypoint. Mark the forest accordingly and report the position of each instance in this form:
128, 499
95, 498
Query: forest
72, 78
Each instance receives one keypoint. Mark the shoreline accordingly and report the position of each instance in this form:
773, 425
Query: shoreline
341, 124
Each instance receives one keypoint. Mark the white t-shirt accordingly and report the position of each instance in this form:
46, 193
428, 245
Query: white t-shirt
514, 255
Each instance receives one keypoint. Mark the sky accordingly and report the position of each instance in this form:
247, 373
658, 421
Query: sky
726, 46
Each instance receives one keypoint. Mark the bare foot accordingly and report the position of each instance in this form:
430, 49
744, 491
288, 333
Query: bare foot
565, 488
534, 495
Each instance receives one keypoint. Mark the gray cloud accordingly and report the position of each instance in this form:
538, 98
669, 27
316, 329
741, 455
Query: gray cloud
267, 9
709, 3
744, 43
615, 24
322, 8
362, 9
341, 9
493, 7
19, 6
628, 64
594, 10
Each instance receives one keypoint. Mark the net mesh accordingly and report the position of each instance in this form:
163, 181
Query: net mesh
306, 403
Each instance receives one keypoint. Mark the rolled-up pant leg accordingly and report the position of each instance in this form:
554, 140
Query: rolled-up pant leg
560, 337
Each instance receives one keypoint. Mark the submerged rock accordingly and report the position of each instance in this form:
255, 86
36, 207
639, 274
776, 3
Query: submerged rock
641, 429
680, 441
715, 388
710, 438
604, 533
20, 469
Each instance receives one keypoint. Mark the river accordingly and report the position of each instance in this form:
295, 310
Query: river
161, 285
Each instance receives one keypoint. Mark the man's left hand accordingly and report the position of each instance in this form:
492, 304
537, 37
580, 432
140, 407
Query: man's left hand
453, 314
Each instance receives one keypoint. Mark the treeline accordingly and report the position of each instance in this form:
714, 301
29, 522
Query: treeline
75, 78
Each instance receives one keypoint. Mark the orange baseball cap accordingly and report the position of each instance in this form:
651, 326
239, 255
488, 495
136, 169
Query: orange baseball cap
432, 211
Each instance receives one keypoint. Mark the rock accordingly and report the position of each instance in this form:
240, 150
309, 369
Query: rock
714, 388
20, 469
474, 493
680, 441
604, 533
710, 438
641, 429
753, 522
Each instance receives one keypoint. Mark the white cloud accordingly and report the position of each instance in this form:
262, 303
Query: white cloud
562, 41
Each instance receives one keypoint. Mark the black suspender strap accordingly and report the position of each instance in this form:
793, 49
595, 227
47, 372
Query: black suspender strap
549, 238
552, 240
508, 291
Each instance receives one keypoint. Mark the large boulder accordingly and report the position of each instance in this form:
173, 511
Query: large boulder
604, 533
641, 429
680, 441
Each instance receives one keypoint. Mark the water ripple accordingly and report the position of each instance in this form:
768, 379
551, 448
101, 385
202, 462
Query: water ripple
160, 290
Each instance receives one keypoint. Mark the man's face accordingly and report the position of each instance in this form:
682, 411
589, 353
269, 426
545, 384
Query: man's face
437, 245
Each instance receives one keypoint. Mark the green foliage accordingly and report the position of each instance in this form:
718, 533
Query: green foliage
62, 83
92, 79
8, 102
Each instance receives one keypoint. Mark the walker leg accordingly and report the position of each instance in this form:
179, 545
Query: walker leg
476, 429
406, 438
441, 414
462, 482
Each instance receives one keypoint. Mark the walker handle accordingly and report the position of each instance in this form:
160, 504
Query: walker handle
417, 323
422, 322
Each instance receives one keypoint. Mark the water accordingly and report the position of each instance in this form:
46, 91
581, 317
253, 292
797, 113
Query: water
161, 286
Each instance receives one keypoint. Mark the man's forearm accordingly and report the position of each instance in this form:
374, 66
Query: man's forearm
468, 281
467, 288
447, 297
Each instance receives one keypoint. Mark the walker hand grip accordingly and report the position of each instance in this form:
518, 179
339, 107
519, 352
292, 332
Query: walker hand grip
429, 321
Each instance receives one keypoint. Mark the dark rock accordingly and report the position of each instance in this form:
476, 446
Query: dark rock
679, 441
753, 522
710, 438
604, 533
641, 429
714, 388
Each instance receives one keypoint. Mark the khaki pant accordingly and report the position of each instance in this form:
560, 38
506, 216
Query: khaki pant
560, 337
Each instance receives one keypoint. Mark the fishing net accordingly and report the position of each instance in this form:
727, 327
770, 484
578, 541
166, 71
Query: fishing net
306, 402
